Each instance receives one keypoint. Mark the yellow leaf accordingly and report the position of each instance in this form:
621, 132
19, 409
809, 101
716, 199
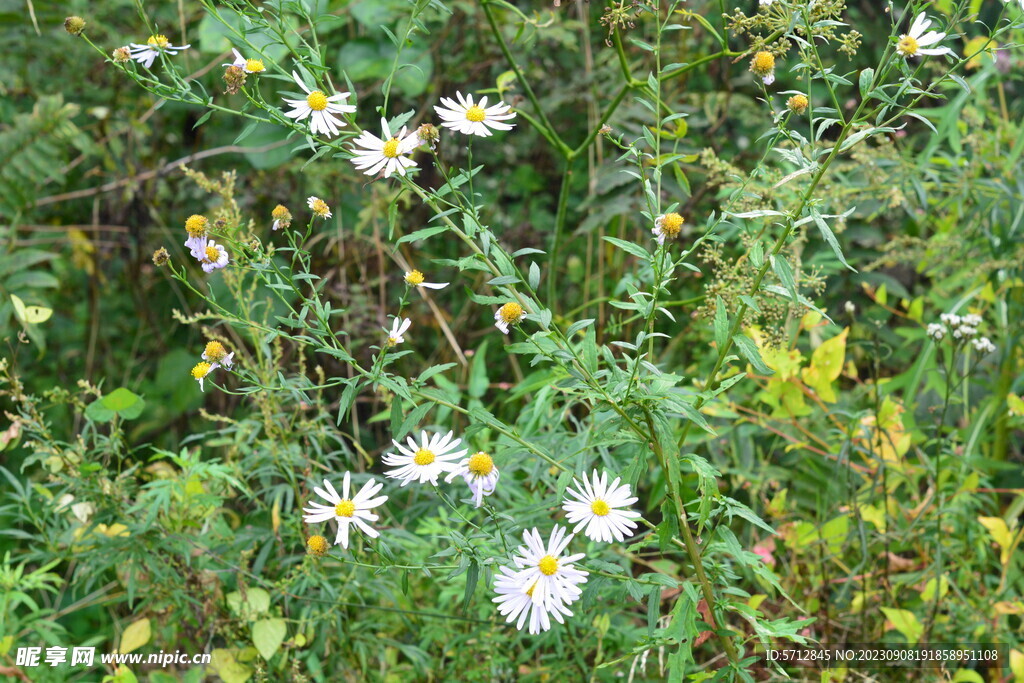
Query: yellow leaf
905, 622
1017, 664
135, 636
1000, 534
869, 513
228, 668
826, 366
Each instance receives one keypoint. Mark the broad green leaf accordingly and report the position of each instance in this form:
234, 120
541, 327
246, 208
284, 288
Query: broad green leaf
267, 636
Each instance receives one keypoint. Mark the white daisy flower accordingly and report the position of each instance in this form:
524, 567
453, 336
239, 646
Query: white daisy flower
384, 153
602, 508
147, 54
346, 511
210, 254
547, 576
426, 461
319, 207
398, 328
474, 119
667, 226
916, 42
480, 474
414, 278
515, 599
509, 314
249, 66
216, 353
319, 109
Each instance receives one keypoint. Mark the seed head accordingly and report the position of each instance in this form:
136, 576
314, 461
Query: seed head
161, 257
74, 25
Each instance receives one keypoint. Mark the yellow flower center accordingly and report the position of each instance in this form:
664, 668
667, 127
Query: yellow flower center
345, 508
159, 40
280, 211
200, 370
391, 148
215, 351
212, 254
414, 278
907, 46
195, 226
254, 66
511, 312
671, 224
547, 565
317, 545
392, 341
600, 508
480, 464
424, 457
320, 208
316, 100
476, 114
763, 63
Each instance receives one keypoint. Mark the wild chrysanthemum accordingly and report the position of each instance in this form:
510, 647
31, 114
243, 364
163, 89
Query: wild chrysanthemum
480, 474
601, 509
146, 54
546, 574
211, 255
200, 371
667, 226
319, 207
282, 217
763, 66
346, 511
509, 314
196, 226
398, 328
425, 461
218, 355
320, 109
121, 54
798, 104
916, 41
249, 66
474, 119
386, 153
515, 599
414, 278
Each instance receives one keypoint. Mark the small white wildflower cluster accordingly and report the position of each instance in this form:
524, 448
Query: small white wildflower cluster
214, 356
962, 329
